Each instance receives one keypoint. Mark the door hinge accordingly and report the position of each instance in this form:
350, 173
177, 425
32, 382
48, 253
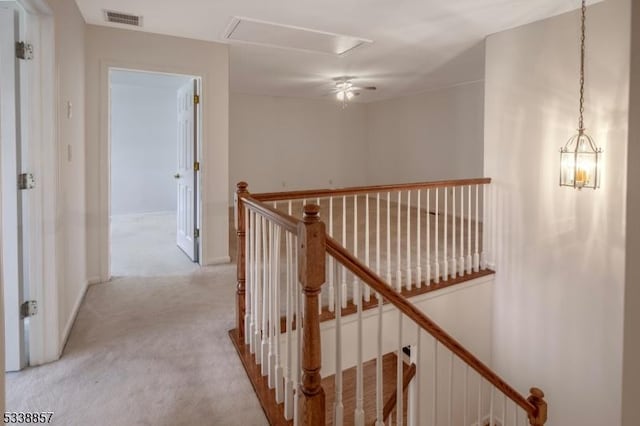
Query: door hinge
196, 233
196, 99
24, 50
196, 166
28, 309
26, 181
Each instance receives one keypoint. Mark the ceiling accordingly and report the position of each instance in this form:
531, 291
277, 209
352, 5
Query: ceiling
417, 45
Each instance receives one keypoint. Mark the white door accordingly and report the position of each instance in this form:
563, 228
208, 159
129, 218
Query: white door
186, 175
15, 350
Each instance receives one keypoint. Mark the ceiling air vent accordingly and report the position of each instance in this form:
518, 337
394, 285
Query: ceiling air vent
122, 18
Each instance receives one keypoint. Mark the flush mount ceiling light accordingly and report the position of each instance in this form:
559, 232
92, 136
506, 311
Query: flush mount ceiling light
345, 90
581, 158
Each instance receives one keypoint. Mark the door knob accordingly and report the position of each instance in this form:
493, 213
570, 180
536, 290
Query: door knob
176, 176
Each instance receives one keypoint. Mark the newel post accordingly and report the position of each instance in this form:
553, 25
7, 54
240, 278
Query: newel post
537, 400
241, 258
311, 267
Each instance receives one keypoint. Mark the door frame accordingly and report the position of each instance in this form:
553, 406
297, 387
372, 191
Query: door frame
38, 108
105, 158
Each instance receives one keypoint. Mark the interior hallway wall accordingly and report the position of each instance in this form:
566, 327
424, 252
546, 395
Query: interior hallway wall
428, 136
631, 355
144, 127
284, 144
559, 294
111, 47
70, 35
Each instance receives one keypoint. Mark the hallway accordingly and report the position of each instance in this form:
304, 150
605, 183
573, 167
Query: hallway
146, 351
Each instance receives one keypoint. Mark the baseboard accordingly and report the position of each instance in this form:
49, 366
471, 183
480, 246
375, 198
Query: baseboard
72, 319
94, 280
219, 261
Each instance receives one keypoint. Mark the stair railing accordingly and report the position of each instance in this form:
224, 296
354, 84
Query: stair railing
311, 257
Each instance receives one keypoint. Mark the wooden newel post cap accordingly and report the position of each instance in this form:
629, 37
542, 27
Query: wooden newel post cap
311, 213
536, 398
242, 186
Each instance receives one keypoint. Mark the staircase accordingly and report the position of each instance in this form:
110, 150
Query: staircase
298, 287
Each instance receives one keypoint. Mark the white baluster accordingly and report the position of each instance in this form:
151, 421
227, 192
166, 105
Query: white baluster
484, 253
445, 260
389, 237
355, 245
428, 240
450, 388
479, 401
247, 276
434, 385
504, 410
379, 393
278, 331
398, 245
338, 406
419, 241
412, 397
272, 312
344, 244
408, 283
367, 249
298, 319
257, 334
454, 258
476, 255
465, 403
331, 261
491, 422
378, 233
359, 411
399, 373
469, 258
414, 408
436, 278
265, 299
288, 388
461, 259
251, 284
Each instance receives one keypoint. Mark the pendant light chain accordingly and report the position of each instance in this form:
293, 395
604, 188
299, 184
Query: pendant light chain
582, 54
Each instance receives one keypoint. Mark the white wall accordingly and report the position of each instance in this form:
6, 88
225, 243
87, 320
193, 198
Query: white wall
71, 208
429, 136
560, 253
282, 144
144, 128
110, 47
631, 366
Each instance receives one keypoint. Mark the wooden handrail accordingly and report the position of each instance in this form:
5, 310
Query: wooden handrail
392, 401
410, 310
289, 223
321, 193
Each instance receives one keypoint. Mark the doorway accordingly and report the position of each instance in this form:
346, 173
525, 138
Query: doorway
154, 180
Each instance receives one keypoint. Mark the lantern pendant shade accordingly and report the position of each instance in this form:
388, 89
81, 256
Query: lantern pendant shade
580, 157
580, 162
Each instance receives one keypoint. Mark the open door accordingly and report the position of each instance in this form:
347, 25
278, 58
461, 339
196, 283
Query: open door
11, 232
187, 174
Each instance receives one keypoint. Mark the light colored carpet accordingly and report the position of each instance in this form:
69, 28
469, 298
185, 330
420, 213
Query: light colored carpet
147, 351
144, 245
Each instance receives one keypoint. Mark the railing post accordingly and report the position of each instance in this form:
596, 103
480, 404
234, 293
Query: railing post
537, 400
311, 267
241, 259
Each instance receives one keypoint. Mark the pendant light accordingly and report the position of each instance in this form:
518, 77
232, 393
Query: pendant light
581, 158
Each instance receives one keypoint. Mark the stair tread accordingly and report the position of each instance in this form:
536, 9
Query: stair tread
275, 411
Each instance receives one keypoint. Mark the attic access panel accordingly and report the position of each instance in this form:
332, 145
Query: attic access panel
290, 37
